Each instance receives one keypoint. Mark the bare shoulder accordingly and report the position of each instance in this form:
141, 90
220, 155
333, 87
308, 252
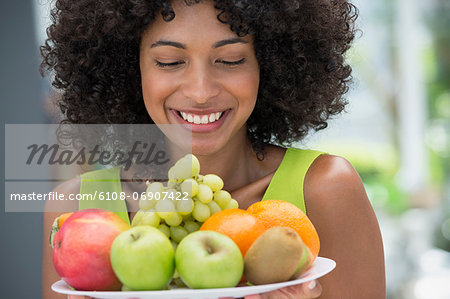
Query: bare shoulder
333, 188
330, 174
341, 212
69, 187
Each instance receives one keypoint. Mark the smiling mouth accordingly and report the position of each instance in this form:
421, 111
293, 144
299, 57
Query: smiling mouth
199, 119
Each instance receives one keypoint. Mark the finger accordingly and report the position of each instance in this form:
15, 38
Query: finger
312, 289
254, 296
309, 290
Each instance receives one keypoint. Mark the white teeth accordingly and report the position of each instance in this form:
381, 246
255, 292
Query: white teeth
201, 119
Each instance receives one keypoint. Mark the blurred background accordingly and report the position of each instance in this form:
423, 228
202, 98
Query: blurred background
395, 131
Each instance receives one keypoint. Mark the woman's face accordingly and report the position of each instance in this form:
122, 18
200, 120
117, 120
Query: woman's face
199, 74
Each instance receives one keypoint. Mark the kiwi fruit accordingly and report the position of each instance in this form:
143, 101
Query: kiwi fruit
305, 262
278, 255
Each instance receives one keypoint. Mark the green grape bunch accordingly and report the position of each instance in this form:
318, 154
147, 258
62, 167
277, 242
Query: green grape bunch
187, 200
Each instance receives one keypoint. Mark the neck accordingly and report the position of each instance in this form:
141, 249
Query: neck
235, 164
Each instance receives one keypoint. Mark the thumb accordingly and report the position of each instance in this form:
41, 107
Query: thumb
254, 296
312, 289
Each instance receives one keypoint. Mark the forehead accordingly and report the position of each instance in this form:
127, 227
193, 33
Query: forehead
194, 22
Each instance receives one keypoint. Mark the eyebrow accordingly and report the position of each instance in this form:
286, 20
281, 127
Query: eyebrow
234, 40
168, 43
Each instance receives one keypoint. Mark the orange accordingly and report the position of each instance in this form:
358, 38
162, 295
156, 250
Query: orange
239, 225
282, 213
62, 218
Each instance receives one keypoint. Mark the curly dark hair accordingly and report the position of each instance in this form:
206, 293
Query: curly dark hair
93, 49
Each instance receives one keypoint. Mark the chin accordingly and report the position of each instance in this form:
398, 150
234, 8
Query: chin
203, 151
206, 148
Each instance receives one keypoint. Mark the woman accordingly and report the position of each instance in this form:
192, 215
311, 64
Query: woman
243, 76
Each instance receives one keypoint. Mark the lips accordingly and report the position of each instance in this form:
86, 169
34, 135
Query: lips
201, 121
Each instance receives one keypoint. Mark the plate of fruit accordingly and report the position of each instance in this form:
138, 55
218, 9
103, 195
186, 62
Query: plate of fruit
320, 267
197, 245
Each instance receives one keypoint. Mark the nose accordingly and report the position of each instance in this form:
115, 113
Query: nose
200, 83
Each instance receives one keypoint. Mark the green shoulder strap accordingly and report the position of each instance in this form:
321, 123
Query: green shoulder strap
287, 182
104, 188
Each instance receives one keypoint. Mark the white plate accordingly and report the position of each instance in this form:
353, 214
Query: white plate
320, 267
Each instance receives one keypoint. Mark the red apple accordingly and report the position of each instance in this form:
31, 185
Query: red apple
81, 250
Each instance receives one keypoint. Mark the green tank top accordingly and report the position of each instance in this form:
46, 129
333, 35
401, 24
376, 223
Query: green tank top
104, 188
286, 184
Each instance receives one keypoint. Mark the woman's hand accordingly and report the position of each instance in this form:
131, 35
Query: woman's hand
300, 291
309, 290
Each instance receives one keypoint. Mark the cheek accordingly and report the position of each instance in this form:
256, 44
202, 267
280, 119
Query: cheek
244, 87
155, 89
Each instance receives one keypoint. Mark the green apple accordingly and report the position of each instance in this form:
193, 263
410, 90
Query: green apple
143, 258
208, 259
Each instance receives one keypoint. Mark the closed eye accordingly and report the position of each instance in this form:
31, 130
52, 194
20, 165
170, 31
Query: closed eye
168, 64
236, 62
